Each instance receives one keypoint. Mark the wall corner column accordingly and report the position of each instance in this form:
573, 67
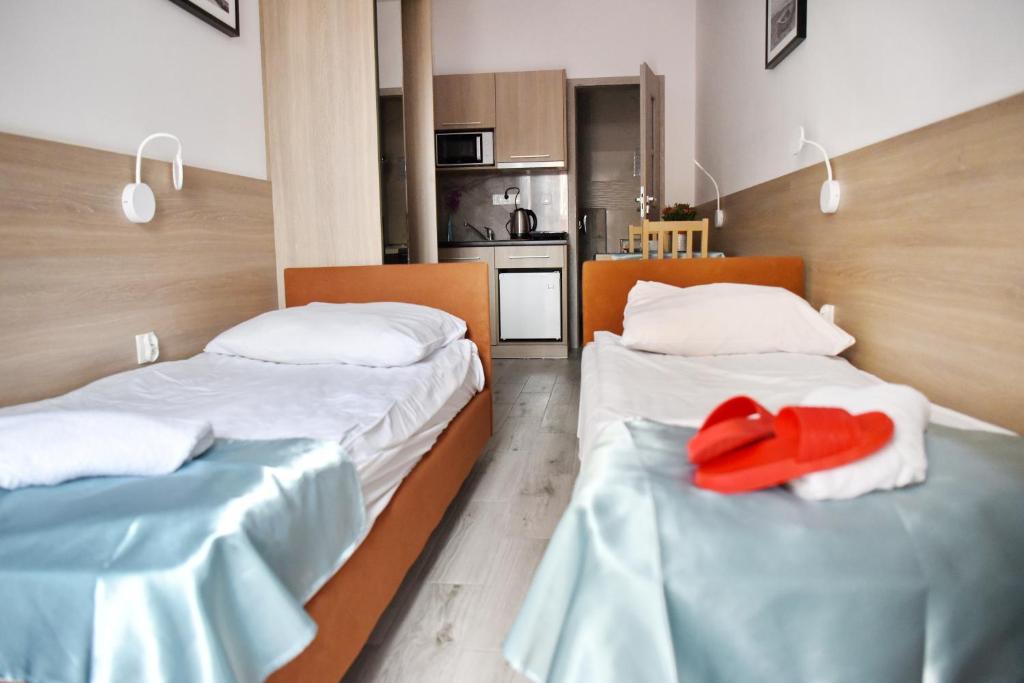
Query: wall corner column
418, 82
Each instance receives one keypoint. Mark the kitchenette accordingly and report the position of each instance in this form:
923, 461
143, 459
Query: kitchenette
502, 199
529, 171
529, 303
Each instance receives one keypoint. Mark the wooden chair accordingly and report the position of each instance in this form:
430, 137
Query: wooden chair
678, 234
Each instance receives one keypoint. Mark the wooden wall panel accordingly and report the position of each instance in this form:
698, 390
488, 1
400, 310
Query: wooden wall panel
924, 260
418, 82
78, 281
320, 94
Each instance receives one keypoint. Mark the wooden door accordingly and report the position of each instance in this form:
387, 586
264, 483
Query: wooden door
464, 102
650, 199
530, 119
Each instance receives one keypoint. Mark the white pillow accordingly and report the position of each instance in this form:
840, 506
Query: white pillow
725, 318
382, 334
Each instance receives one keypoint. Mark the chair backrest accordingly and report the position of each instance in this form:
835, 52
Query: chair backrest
678, 235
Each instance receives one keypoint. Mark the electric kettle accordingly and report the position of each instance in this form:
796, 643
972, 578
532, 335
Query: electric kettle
521, 223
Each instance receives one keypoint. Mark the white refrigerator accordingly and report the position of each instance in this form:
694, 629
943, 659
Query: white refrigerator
530, 305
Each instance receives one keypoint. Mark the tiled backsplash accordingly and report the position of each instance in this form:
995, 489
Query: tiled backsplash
546, 192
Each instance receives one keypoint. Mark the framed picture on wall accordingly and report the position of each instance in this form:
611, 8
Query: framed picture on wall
220, 14
785, 28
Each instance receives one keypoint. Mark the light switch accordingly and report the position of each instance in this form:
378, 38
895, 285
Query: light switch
147, 347
828, 312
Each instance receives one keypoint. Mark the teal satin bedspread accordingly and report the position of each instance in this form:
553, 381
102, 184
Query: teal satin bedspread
196, 576
648, 578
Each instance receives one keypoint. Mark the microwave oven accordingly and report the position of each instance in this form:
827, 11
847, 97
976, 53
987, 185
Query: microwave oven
464, 148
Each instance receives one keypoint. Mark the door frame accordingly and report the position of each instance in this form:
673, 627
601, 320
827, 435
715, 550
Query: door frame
572, 264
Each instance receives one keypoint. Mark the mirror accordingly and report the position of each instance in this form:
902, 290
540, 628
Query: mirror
392, 132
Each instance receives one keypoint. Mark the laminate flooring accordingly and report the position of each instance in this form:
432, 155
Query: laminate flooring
449, 618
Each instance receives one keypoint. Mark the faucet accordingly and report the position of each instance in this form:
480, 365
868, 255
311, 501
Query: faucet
486, 233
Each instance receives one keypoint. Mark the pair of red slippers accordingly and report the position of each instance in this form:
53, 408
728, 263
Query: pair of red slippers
743, 447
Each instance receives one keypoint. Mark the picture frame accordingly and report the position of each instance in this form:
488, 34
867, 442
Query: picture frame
220, 14
785, 27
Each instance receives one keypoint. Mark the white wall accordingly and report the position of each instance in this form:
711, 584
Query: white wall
389, 43
868, 70
105, 73
588, 38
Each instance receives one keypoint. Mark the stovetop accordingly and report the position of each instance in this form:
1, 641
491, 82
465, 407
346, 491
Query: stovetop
547, 236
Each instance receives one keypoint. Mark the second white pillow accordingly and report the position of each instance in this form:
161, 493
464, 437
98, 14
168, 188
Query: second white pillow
726, 318
382, 334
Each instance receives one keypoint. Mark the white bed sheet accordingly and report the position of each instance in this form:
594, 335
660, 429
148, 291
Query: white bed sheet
619, 383
385, 418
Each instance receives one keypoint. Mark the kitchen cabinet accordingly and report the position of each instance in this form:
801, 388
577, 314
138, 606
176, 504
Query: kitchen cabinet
542, 256
537, 305
530, 119
464, 102
475, 255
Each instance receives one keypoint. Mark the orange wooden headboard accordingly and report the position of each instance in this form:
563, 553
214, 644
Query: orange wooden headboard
606, 284
461, 289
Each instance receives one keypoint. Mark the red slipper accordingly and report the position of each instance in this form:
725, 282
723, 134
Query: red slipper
806, 440
740, 421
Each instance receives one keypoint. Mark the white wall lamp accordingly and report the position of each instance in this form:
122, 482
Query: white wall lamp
719, 214
829, 198
137, 198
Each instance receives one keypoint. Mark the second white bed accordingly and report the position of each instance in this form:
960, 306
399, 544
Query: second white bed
619, 383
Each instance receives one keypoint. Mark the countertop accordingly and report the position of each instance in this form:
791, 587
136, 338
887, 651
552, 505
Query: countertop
501, 243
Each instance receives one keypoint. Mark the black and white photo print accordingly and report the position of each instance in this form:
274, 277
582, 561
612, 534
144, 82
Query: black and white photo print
785, 28
221, 14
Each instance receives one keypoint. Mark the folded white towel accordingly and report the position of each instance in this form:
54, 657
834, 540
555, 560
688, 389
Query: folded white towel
49, 447
900, 463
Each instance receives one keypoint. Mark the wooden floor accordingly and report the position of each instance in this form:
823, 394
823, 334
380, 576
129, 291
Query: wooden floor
449, 618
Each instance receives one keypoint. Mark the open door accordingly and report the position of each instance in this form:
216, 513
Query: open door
616, 143
651, 183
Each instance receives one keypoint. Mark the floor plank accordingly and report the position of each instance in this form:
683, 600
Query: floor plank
496, 606
452, 613
483, 666
467, 556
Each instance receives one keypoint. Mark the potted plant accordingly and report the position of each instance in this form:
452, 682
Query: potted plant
679, 212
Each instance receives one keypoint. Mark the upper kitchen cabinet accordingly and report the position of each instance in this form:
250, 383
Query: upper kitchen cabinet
530, 119
464, 101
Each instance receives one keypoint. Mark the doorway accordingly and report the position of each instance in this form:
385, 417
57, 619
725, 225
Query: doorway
608, 167
615, 169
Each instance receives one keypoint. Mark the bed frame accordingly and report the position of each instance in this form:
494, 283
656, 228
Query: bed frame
348, 607
606, 284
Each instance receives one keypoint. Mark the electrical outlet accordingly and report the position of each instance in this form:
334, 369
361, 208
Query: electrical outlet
499, 200
147, 347
828, 312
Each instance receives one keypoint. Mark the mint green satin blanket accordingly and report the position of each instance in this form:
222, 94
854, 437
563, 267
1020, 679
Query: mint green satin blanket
648, 578
196, 576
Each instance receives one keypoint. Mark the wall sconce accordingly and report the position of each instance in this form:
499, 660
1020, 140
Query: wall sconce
137, 198
719, 214
829, 198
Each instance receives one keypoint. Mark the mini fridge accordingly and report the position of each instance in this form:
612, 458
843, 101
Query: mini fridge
530, 305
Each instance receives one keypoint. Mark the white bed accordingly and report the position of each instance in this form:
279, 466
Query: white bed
618, 383
386, 419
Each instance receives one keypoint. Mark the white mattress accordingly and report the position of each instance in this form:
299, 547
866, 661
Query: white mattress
618, 383
386, 418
